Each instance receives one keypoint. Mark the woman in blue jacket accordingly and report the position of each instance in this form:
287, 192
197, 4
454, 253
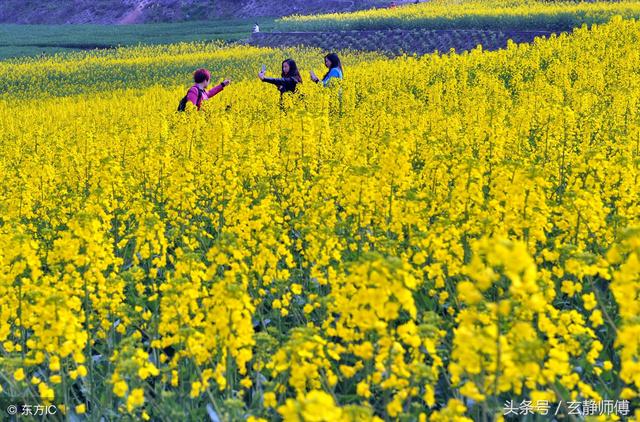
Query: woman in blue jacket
332, 61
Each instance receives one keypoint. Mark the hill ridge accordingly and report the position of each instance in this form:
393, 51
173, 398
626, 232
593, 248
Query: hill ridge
144, 11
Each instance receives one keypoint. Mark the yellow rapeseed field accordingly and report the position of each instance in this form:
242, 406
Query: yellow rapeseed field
471, 14
430, 239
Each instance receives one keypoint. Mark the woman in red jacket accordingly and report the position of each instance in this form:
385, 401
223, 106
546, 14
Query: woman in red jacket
198, 92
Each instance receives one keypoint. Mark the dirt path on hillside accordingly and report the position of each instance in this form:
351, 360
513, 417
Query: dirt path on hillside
135, 15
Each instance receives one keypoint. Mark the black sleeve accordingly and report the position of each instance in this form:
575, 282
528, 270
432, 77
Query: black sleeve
275, 81
288, 81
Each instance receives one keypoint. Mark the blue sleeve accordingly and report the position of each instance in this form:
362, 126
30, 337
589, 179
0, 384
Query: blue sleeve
333, 73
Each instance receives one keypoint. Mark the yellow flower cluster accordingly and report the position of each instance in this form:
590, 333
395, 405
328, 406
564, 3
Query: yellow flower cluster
428, 239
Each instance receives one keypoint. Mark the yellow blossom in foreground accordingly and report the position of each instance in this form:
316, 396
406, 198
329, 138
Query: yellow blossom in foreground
430, 229
316, 406
135, 399
18, 375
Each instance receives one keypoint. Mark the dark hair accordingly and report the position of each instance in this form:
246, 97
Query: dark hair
293, 71
201, 75
335, 63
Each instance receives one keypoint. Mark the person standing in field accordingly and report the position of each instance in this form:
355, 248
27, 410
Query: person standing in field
198, 92
289, 80
332, 61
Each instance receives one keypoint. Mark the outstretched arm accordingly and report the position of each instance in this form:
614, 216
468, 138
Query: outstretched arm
275, 81
216, 89
288, 82
213, 91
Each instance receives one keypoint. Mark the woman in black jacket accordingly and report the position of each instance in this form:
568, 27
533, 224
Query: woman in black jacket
289, 80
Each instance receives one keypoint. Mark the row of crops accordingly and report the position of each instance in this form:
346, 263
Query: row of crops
398, 42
